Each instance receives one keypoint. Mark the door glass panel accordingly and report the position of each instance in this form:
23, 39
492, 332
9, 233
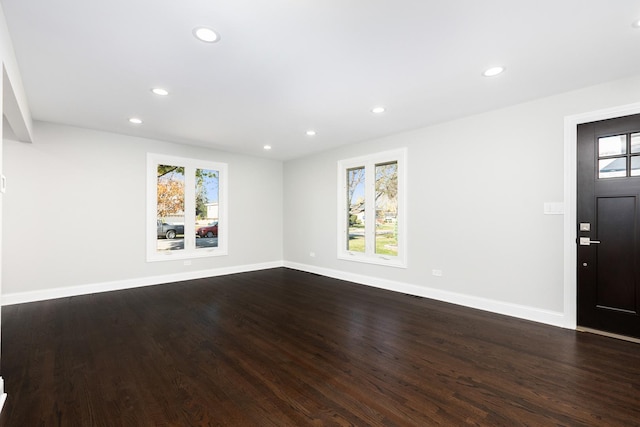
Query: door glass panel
612, 168
356, 204
635, 143
612, 145
387, 209
635, 166
207, 192
170, 208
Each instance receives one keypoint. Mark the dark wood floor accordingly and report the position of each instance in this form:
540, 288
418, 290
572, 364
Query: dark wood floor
287, 348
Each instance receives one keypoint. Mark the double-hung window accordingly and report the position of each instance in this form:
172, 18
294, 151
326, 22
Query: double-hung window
371, 208
186, 208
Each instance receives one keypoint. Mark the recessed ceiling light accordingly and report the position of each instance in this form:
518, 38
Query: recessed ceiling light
311, 133
160, 91
206, 34
377, 110
267, 147
135, 121
493, 71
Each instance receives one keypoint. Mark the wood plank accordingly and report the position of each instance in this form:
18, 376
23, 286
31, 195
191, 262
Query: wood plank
286, 348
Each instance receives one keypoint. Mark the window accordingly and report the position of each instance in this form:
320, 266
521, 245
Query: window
619, 156
371, 209
186, 208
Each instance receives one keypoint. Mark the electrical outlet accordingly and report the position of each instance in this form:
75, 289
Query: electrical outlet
437, 273
187, 262
312, 254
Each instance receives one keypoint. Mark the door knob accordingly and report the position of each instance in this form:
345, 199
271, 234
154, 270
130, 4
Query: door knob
586, 241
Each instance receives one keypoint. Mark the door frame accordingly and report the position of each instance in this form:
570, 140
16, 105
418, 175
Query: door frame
570, 200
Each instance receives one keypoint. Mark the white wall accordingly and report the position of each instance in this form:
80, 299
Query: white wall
13, 112
476, 191
74, 215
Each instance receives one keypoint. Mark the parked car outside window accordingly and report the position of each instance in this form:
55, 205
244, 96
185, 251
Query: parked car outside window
210, 230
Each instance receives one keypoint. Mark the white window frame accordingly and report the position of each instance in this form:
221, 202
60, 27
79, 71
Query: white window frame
190, 251
369, 162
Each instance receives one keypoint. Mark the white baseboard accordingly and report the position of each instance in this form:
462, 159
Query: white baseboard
24, 297
514, 310
3, 395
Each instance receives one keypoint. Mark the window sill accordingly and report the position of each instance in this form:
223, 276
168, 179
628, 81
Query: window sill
383, 260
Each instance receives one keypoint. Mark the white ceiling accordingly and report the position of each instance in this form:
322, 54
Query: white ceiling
285, 66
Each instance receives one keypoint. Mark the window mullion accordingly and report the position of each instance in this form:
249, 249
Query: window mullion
189, 207
370, 208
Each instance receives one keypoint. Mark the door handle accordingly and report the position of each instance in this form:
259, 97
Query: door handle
586, 241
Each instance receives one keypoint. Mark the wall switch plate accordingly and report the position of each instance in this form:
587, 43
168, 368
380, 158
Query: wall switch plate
554, 208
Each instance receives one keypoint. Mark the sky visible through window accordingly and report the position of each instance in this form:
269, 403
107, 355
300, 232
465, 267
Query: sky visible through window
209, 182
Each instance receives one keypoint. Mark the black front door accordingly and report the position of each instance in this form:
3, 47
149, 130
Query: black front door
609, 225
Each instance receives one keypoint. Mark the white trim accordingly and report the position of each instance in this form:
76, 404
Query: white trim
46, 294
3, 395
548, 317
499, 307
570, 200
17, 112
